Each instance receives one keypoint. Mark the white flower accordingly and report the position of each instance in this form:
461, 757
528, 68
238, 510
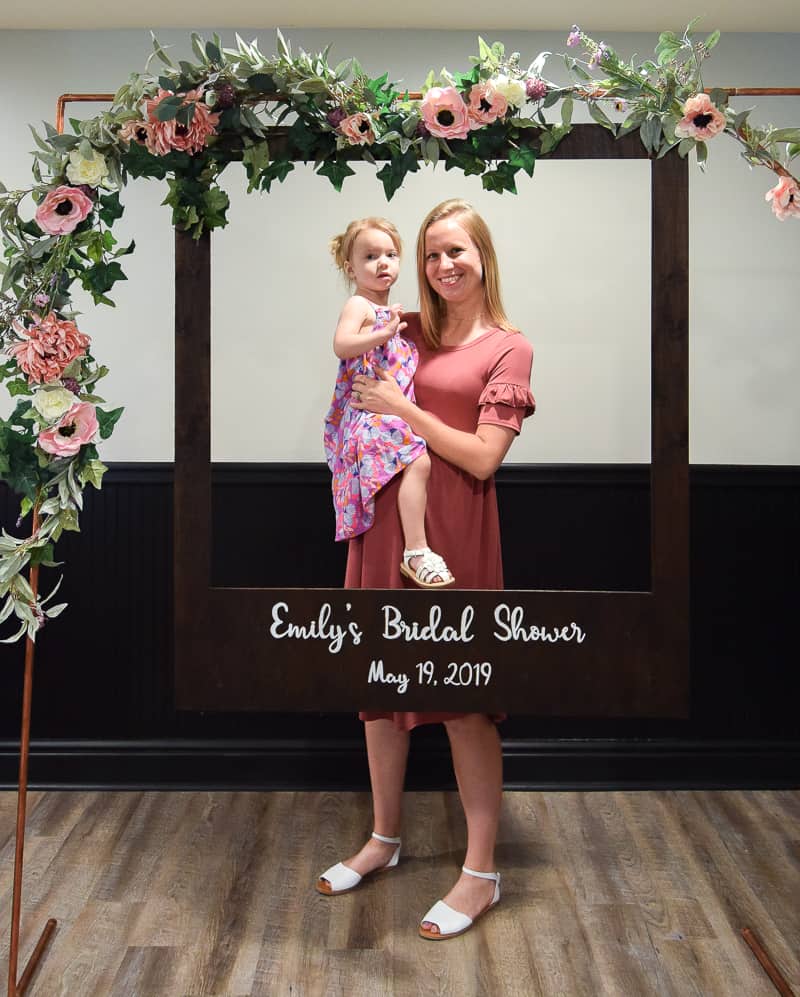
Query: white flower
89, 171
52, 403
512, 90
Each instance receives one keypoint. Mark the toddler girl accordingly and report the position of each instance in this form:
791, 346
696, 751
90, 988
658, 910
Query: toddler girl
365, 450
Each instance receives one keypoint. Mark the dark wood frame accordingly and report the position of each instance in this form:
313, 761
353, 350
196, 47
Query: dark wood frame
634, 659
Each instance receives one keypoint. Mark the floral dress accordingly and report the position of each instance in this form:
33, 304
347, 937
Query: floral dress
365, 450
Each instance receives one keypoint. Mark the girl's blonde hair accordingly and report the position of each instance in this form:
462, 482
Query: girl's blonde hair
341, 246
432, 308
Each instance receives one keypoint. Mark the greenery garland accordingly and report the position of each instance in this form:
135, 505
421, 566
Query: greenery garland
188, 123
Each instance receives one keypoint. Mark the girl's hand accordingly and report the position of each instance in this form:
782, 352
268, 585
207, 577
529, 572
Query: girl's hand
395, 323
380, 393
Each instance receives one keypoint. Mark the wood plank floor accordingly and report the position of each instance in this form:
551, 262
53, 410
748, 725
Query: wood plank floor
191, 894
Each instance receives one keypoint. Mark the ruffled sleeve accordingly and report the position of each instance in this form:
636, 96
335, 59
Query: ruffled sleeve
507, 400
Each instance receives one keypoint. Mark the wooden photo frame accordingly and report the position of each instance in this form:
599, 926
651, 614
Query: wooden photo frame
568, 653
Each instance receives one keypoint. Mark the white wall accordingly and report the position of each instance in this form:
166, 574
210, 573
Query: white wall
573, 247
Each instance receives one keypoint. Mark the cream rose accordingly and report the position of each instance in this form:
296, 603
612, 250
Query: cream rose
52, 403
512, 90
89, 171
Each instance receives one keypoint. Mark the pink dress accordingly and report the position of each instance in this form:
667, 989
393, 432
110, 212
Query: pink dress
365, 450
486, 381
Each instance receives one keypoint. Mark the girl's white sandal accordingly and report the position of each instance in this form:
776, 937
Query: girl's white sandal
340, 878
431, 566
452, 922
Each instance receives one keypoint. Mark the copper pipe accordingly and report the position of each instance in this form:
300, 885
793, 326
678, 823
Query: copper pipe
22, 798
67, 98
767, 964
22, 794
36, 955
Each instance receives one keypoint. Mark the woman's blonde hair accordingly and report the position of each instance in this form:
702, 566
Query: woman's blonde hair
341, 246
432, 308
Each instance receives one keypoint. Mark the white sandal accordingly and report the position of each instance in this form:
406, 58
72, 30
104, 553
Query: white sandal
452, 922
340, 878
429, 567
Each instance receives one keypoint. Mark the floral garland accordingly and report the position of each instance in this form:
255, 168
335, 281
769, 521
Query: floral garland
189, 122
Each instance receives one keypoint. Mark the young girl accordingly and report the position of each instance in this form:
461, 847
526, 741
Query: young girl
366, 450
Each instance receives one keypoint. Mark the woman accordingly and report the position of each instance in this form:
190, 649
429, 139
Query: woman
473, 391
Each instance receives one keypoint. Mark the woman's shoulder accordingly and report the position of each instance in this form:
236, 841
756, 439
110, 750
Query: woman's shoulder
511, 341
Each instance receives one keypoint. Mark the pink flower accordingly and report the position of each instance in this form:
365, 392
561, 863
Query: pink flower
62, 210
48, 347
76, 427
535, 88
140, 132
574, 37
357, 129
701, 119
485, 104
169, 136
785, 197
445, 113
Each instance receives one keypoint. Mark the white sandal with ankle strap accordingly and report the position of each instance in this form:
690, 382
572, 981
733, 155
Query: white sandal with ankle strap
452, 922
340, 878
429, 567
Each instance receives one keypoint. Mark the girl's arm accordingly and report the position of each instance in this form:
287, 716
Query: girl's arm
356, 333
479, 453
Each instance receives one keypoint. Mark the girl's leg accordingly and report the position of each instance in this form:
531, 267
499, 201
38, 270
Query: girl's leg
478, 765
387, 753
412, 497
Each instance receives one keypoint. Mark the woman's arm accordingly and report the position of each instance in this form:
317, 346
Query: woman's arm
355, 331
479, 453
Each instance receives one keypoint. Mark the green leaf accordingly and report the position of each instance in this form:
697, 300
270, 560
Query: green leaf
599, 115
336, 170
159, 51
107, 421
110, 208
566, 110
701, 150
215, 205
101, 278
168, 108
523, 158
785, 135
278, 170
719, 97
261, 83
500, 179
393, 173
65, 143
42, 554
92, 473
19, 386
303, 138
712, 40
213, 52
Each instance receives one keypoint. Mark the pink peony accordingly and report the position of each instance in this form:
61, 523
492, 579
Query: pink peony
357, 129
168, 136
701, 119
48, 347
77, 426
445, 113
485, 105
785, 197
62, 210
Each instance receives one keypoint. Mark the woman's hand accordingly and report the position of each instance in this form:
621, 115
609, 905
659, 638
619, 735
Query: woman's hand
380, 393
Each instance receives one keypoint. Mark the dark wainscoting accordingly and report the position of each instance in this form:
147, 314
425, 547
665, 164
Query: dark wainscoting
103, 713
